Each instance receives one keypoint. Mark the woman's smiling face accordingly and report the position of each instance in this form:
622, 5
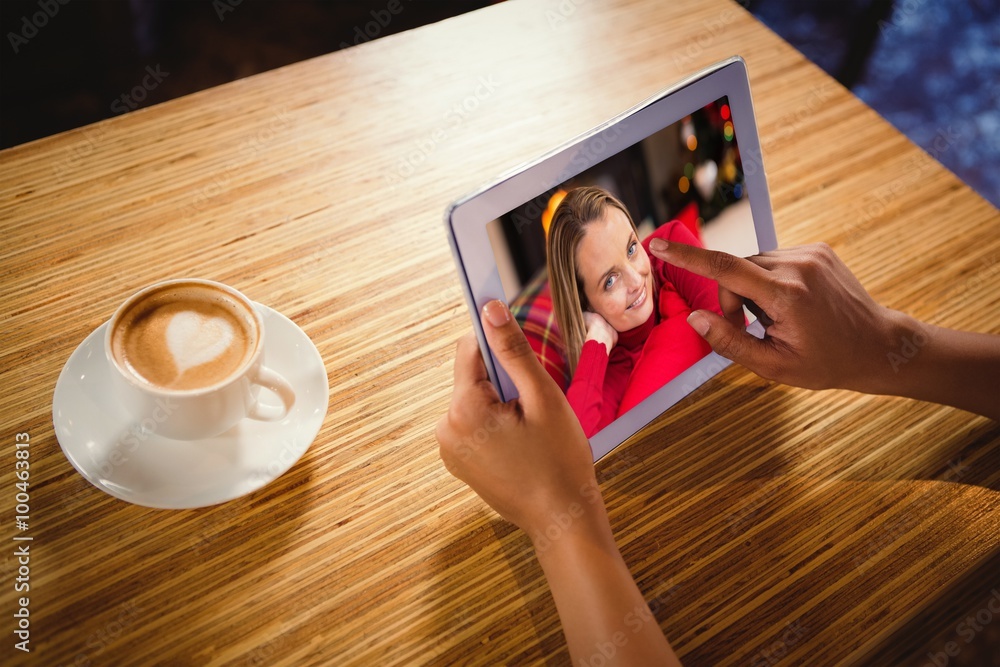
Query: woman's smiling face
615, 271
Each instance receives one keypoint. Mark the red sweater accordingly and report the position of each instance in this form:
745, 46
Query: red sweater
645, 358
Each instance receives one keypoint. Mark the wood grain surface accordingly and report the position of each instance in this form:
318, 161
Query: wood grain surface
765, 525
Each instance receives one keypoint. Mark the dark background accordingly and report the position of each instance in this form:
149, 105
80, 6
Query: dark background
92, 51
928, 66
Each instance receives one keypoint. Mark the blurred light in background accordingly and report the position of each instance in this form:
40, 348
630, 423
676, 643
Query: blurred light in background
929, 67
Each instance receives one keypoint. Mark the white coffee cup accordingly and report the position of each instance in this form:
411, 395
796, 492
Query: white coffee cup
187, 360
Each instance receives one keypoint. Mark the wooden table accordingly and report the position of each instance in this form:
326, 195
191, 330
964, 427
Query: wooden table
764, 524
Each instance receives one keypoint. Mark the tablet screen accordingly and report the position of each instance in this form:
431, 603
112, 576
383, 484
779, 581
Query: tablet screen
606, 318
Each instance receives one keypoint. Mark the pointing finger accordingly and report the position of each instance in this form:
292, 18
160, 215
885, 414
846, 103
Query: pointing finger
736, 274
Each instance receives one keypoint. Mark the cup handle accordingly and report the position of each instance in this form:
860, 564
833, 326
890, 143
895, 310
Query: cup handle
270, 413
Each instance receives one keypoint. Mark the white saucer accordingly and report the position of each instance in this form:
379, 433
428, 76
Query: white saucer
114, 454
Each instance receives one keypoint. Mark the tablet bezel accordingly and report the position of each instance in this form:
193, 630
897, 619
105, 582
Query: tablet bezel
466, 218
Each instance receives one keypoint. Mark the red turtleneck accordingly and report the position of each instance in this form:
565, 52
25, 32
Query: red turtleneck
645, 358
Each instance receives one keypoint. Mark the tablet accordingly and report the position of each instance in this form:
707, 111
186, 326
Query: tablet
563, 240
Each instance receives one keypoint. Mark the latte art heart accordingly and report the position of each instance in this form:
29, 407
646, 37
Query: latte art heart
194, 339
183, 336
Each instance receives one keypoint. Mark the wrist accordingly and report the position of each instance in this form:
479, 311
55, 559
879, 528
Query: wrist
896, 337
576, 525
939, 365
601, 339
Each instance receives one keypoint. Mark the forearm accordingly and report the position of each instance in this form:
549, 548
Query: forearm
932, 363
601, 609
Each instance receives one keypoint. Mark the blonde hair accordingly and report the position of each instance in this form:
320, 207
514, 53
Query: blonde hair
578, 209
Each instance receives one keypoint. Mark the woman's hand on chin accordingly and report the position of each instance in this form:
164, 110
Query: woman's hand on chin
599, 330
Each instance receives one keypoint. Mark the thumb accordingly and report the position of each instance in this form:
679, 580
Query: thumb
728, 340
512, 349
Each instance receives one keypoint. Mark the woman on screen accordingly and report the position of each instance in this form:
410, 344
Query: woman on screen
622, 313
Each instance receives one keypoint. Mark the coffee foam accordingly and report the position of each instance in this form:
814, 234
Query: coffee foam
195, 338
184, 337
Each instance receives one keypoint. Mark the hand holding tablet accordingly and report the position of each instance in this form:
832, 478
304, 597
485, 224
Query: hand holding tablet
496, 447
529, 459
564, 241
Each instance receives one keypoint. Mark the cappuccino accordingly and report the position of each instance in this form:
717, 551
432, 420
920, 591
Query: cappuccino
184, 336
